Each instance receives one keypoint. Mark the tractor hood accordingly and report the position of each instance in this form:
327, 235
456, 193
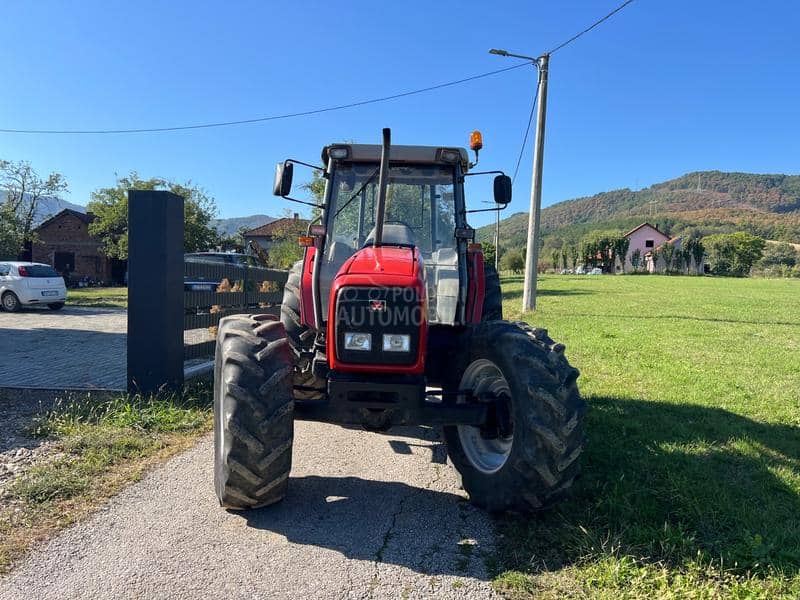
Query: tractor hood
388, 260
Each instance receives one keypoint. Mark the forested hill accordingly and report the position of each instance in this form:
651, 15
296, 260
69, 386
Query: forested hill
708, 201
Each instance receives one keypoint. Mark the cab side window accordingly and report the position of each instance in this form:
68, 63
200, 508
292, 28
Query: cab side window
4, 270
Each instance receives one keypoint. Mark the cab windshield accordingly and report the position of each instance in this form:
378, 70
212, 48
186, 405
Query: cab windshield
420, 198
420, 211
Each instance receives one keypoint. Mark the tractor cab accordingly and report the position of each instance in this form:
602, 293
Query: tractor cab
422, 212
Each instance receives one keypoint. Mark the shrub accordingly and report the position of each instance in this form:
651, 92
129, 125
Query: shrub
513, 261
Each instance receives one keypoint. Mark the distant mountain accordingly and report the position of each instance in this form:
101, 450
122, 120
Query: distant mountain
48, 206
707, 202
231, 226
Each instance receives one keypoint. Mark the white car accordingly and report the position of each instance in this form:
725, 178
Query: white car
30, 284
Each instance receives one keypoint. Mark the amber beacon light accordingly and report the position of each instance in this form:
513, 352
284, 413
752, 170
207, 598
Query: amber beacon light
475, 140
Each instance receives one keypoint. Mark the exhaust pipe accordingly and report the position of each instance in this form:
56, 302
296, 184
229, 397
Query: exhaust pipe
383, 180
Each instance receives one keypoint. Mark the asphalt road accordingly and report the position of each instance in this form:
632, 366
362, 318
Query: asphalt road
367, 516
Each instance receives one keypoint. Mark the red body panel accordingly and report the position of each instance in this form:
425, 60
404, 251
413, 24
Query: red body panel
383, 267
306, 294
402, 262
477, 286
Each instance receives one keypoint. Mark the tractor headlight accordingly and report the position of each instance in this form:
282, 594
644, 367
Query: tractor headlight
395, 342
338, 152
357, 341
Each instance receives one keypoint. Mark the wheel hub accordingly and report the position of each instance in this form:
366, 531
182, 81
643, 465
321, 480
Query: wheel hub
488, 447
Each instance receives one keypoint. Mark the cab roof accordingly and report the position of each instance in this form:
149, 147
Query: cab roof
399, 154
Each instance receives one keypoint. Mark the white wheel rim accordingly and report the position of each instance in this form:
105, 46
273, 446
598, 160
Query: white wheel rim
8, 301
486, 455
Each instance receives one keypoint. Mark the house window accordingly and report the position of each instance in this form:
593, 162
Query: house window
648, 243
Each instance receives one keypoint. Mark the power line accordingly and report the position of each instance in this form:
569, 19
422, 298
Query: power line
536, 93
592, 26
527, 130
267, 118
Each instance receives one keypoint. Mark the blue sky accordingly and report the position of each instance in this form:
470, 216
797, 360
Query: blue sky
660, 89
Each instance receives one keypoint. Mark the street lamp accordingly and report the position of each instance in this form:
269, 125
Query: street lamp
532, 254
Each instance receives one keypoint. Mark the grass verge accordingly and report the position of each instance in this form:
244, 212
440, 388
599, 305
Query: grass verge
113, 297
691, 484
101, 447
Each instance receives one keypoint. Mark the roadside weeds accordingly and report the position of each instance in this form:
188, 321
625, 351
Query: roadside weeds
97, 448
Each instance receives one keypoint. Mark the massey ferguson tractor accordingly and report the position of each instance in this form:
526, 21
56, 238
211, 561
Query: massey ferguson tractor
393, 318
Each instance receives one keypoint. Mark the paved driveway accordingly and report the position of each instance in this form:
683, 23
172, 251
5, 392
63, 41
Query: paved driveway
74, 348
367, 515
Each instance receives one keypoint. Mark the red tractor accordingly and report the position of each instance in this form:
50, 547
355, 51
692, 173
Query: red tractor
393, 318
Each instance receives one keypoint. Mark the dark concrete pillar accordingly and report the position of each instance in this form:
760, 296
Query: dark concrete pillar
155, 291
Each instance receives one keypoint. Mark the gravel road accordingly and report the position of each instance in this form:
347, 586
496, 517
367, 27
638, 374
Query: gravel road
367, 516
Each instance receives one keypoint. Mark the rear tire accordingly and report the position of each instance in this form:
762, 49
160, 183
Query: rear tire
56, 306
534, 466
492, 295
301, 338
10, 302
253, 412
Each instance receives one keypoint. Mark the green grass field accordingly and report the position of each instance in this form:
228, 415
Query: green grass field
691, 484
112, 297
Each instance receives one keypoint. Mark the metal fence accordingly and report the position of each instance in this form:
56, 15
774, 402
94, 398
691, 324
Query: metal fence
247, 290
169, 324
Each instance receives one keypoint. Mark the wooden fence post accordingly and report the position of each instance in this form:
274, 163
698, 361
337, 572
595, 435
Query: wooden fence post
155, 291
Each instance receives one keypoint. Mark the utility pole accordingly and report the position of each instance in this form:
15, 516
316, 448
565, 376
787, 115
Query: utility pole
532, 254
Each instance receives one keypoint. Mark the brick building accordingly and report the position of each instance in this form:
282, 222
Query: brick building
275, 231
64, 242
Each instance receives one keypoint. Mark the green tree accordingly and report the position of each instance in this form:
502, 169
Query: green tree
513, 261
564, 257
685, 254
636, 259
667, 250
695, 251
574, 254
621, 245
655, 254
11, 239
782, 254
23, 189
677, 260
602, 247
734, 253
489, 252
316, 187
554, 257
110, 205
698, 253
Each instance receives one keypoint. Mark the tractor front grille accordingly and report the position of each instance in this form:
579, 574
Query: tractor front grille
378, 311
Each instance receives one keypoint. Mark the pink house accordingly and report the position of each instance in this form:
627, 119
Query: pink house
643, 238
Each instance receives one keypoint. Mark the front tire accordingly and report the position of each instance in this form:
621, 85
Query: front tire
253, 412
10, 302
301, 338
530, 464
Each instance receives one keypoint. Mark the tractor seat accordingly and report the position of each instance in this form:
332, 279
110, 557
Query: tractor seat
398, 234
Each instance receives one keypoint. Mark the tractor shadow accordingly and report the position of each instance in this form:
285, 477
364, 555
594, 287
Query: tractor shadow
668, 483
428, 530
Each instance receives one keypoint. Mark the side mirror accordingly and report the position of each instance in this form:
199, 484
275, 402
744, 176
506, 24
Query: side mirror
283, 179
502, 189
